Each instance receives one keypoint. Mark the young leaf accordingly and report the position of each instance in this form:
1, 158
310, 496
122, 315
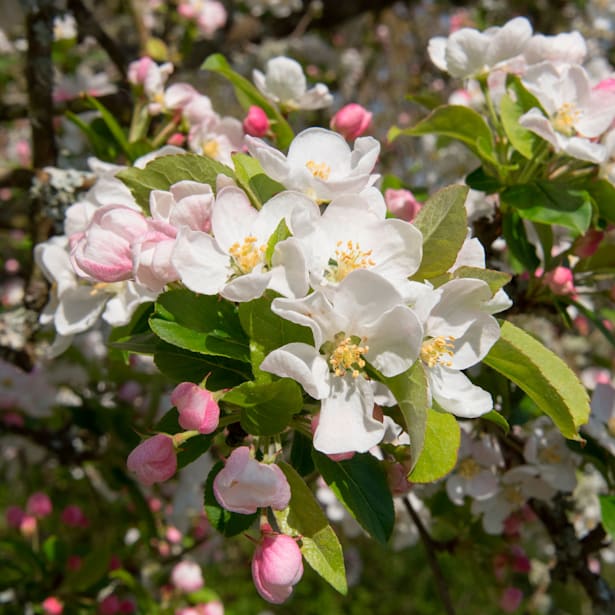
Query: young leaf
114, 128
410, 391
457, 122
517, 241
247, 94
280, 234
607, 513
200, 323
161, 173
226, 522
495, 279
442, 220
544, 377
497, 419
523, 140
439, 455
253, 180
301, 454
361, 486
304, 517
603, 193
266, 407
480, 180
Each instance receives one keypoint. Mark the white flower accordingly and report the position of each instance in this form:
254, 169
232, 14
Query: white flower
320, 163
364, 320
470, 53
349, 236
233, 262
458, 334
564, 48
284, 82
576, 115
601, 424
216, 137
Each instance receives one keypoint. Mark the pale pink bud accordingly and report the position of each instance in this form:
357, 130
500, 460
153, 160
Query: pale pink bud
244, 485
173, 535
402, 204
196, 406
52, 606
39, 505
154, 460
351, 121
187, 576
73, 516
104, 250
215, 607
177, 139
138, 70
28, 525
561, 281
152, 256
511, 599
276, 567
256, 123
14, 515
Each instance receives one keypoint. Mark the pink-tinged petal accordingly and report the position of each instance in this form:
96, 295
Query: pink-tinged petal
456, 394
302, 363
154, 460
200, 263
346, 418
178, 95
161, 203
233, 217
196, 406
187, 576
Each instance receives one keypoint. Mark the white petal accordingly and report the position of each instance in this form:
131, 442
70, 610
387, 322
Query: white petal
232, 218
456, 394
79, 309
289, 274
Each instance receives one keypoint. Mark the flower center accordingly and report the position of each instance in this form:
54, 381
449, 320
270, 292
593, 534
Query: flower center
211, 148
347, 260
565, 118
513, 495
347, 356
468, 468
247, 254
549, 455
434, 351
320, 170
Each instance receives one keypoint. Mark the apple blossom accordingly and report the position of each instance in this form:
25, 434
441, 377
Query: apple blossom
154, 460
215, 136
196, 406
364, 320
244, 485
285, 84
351, 121
209, 15
151, 77
320, 163
39, 505
563, 48
233, 261
575, 115
187, 576
277, 566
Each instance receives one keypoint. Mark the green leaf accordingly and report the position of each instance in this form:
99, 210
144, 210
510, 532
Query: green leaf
480, 180
301, 454
456, 122
523, 140
497, 419
114, 128
544, 377
136, 332
251, 177
495, 279
607, 513
361, 486
161, 173
103, 147
226, 522
200, 323
442, 220
304, 517
247, 94
267, 331
517, 241
55, 551
551, 203
411, 392
266, 407
93, 569
280, 234
182, 365
603, 193
439, 455
141, 343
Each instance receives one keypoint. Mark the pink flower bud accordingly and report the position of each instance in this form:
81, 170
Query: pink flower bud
511, 599
561, 281
215, 607
177, 139
276, 567
73, 516
39, 505
28, 525
244, 485
402, 204
256, 123
173, 535
154, 460
138, 70
14, 515
104, 250
196, 406
151, 256
351, 121
52, 606
187, 576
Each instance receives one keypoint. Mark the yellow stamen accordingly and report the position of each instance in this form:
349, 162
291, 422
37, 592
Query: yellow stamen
347, 260
514, 496
247, 255
433, 350
211, 148
347, 357
565, 119
321, 170
468, 468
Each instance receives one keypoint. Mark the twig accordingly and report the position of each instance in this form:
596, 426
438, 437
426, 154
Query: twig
430, 549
